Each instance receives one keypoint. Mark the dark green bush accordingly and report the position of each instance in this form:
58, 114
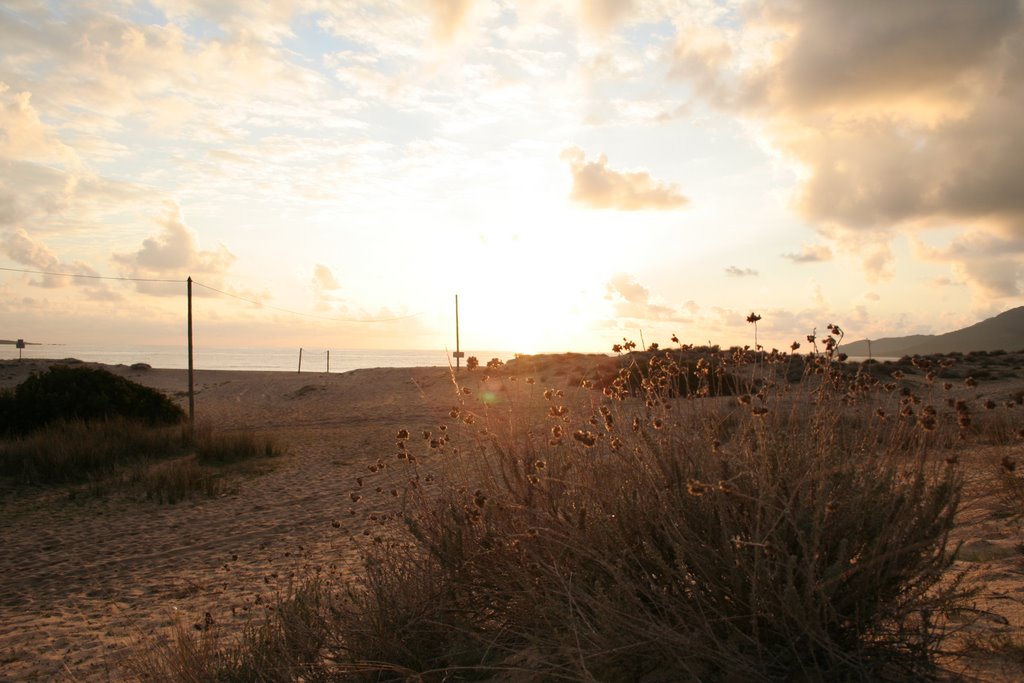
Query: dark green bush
81, 393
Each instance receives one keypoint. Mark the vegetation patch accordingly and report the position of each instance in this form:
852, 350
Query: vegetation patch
64, 393
633, 531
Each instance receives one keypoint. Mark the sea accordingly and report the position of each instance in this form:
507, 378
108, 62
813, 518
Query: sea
241, 358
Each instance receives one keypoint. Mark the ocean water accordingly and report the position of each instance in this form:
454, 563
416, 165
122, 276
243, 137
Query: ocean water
284, 359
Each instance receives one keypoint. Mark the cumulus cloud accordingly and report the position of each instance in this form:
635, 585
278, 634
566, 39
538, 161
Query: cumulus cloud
810, 253
599, 187
992, 264
25, 250
174, 253
736, 271
632, 300
23, 135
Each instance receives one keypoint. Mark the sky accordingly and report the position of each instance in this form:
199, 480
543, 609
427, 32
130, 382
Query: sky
333, 173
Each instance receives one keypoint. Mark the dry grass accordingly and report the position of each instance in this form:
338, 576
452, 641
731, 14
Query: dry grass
285, 645
74, 451
647, 527
213, 447
645, 534
166, 464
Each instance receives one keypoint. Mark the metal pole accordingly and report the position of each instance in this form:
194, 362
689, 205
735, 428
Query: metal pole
458, 354
300, 359
191, 380
328, 361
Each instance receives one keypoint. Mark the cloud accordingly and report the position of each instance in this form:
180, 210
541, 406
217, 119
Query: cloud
632, 300
991, 264
899, 116
810, 253
326, 290
23, 249
604, 15
835, 53
878, 263
907, 113
23, 135
735, 271
174, 253
449, 17
599, 187
323, 279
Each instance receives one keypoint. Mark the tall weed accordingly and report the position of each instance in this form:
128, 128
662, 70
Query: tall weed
641, 533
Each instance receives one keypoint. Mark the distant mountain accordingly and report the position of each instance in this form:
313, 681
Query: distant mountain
1004, 332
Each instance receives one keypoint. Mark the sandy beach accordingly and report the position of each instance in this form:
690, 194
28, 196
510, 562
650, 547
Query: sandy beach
85, 579
82, 579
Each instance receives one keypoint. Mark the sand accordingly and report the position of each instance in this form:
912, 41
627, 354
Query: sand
81, 580
85, 580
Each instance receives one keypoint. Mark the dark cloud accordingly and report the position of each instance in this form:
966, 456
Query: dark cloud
810, 253
736, 271
903, 115
844, 53
599, 187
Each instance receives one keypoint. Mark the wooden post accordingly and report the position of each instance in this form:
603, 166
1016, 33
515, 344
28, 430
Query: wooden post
328, 361
191, 379
300, 359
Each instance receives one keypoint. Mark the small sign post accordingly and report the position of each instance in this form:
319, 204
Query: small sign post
20, 344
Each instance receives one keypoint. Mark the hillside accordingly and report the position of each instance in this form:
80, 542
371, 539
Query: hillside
1003, 332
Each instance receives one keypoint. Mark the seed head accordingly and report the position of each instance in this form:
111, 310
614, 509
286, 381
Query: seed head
585, 437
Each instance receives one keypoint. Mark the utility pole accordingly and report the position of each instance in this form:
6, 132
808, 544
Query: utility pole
191, 383
458, 353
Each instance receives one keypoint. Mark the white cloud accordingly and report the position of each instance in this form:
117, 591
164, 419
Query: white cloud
25, 250
174, 253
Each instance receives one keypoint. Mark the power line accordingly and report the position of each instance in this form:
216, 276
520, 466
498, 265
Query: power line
91, 277
308, 315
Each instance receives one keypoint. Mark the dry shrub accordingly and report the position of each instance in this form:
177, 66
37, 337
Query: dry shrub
1011, 487
787, 533
179, 479
284, 646
73, 451
217, 447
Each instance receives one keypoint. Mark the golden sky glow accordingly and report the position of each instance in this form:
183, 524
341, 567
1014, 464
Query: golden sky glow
577, 171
